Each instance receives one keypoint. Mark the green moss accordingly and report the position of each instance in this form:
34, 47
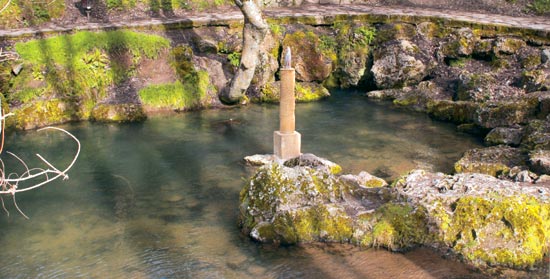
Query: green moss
269, 93
519, 223
395, 30
493, 169
307, 92
458, 63
318, 223
188, 95
374, 183
79, 68
277, 29
42, 113
182, 61
399, 226
531, 61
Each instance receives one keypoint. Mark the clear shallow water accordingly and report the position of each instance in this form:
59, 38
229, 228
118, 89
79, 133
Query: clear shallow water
159, 199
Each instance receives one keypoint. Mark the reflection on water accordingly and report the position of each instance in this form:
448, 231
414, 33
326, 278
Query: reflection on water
159, 199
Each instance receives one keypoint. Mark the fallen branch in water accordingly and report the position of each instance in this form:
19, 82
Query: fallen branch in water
9, 182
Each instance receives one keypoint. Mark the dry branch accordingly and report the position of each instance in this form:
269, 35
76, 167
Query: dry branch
9, 182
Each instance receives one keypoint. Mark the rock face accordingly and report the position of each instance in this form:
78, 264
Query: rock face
303, 201
399, 63
310, 62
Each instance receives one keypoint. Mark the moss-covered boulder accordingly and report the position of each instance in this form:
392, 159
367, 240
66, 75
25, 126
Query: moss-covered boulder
118, 113
304, 92
310, 62
459, 43
458, 112
487, 221
506, 113
400, 63
494, 161
508, 45
505, 135
353, 41
43, 113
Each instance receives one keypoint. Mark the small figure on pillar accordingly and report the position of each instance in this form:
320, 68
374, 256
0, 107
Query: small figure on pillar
287, 141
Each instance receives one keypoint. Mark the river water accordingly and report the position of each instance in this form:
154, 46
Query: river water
159, 199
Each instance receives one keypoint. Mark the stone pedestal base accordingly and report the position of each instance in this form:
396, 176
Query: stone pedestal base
287, 145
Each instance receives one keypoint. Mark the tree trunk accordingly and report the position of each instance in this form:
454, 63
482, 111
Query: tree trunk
254, 33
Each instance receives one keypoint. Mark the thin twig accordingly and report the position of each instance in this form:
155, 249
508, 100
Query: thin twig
28, 175
4, 206
17, 207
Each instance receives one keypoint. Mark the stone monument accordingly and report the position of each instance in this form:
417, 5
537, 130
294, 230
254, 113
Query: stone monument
287, 141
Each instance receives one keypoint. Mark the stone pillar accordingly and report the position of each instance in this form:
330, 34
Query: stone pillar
287, 141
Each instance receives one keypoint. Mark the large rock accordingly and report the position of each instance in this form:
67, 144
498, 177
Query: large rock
416, 97
507, 45
310, 62
466, 214
494, 161
400, 63
353, 52
536, 80
505, 135
487, 221
484, 87
506, 113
